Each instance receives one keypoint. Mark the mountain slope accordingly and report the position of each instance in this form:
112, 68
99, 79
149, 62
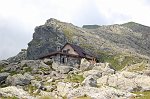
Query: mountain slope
117, 44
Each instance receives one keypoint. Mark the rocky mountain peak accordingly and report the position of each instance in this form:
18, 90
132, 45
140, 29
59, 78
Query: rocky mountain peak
127, 38
52, 21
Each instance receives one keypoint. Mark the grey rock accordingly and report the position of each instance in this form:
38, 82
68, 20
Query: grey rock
61, 68
11, 91
3, 63
30, 63
85, 65
3, 77
147, 72
64, 88
90, 81
96, 73
55, 66
12, 67
19, 79
65, 69
48, 61
99, 93
126, 81
19, 57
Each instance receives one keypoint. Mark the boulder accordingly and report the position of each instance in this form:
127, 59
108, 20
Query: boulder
92, 72
55, 66
90, 81
105, 68
85, 65
12, 67
64, 69
61, 68
146, 72
19, 79
64, 88
3, 63
3, 77
126, 81
48, 61
14, 91
34, 64
99, 93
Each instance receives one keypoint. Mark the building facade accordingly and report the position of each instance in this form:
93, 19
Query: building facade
70, 55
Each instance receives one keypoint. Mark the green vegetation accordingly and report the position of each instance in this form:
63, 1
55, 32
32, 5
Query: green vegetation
9, 97
118, 61
46, 97
145, 95
83, 97
137, 67
68, 33
38, 78
28, 69
87, 46
31, 89
44, 69
75, 78
13, 73
1, 67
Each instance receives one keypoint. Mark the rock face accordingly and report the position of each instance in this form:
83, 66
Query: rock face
3, 77
14, 91
19, 79
128, 38
45, 40
19, 57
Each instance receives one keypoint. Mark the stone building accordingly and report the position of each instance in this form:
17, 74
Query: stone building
70, 55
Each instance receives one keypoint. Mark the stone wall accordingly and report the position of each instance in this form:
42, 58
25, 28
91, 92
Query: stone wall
71, 61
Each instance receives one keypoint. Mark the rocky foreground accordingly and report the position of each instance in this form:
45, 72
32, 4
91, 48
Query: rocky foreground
44, 79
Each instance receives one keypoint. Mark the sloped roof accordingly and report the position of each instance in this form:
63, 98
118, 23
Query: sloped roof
78, 49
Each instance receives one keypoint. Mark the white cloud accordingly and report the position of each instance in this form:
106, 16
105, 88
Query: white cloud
132, 10
18, 18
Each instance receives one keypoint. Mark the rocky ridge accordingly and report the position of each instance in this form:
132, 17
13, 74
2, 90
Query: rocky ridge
129, 37
113, 43
123, 70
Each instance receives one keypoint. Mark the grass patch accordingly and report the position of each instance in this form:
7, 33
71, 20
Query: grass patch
44, 69
28, 69
83, 97
13, 73
75, 78
118, 61
137, 67
31, 89
145, 95
46, 97
1, 67
68, 33
9, 97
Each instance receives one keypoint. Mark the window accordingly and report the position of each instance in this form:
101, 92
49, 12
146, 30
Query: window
64, 51
58, 48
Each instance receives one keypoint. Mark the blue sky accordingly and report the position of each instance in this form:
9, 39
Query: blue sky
18, 18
